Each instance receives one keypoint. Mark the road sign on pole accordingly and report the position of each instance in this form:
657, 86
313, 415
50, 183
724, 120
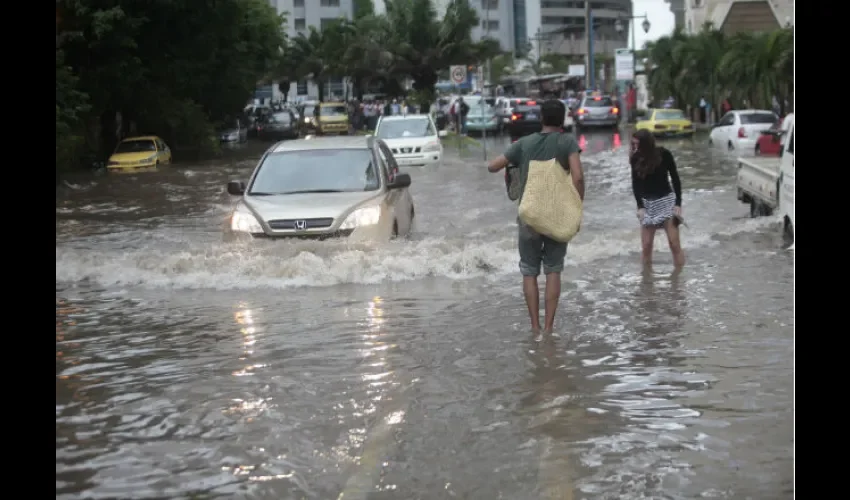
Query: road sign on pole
624, 64
458, 74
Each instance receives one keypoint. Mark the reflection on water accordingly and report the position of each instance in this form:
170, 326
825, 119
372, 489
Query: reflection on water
187, 368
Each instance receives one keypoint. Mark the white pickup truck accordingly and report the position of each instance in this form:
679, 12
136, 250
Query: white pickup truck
767, 183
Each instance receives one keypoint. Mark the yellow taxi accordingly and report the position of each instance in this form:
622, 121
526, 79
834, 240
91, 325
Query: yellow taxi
333, 118
133, 154
666, 123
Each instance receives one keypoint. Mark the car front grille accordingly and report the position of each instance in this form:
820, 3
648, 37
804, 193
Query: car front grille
406, 151
343, 233
320, 223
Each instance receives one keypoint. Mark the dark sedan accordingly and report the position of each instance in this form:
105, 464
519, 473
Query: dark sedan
525, 120
280, 125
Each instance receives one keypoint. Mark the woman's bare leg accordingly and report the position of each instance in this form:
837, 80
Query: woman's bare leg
647, 238
672, 231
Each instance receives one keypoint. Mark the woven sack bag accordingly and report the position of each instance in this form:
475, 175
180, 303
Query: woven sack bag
550, 203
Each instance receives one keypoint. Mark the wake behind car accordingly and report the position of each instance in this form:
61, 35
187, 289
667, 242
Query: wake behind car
413, 139
323, 187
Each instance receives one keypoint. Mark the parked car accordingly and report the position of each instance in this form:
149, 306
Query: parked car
666, 123
252, 115
770, 142
413, 139
282, 124
481, 117
524, 120
234, 132
333, 118
597, 111
139, 153
505, 108
740, 129
323, 187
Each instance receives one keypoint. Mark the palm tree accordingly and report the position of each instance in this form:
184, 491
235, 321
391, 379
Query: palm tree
747, 66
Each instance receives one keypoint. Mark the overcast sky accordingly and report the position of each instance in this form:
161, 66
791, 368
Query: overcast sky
660, 20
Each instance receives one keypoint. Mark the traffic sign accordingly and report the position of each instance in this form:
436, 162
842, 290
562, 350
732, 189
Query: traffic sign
624, 66
458, 74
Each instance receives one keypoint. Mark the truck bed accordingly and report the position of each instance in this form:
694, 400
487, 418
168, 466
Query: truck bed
758, 179
769, 164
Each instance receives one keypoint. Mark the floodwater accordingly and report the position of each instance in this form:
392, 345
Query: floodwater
190, 368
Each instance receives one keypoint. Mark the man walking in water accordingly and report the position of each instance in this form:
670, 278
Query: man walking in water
536, 249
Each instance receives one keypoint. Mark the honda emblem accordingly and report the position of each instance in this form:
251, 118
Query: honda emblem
301, 225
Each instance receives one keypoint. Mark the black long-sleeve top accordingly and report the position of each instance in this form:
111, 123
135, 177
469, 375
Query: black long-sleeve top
657, 184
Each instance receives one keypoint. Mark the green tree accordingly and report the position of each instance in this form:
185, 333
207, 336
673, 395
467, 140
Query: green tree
423, 44
170, 68
746, 67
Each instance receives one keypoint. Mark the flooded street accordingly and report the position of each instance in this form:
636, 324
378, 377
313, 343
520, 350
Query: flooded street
192, 368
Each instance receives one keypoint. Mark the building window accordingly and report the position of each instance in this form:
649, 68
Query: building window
300, 23
489, 4
490, 25
301, 87
562, 4
298, 3
329, 3
273, 3
563, 21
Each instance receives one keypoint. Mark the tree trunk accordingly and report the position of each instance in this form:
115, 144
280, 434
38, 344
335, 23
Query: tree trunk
320, 82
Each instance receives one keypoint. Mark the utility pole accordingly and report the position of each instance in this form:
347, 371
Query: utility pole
588, 30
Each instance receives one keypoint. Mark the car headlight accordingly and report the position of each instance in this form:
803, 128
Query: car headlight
366, 216
432, 147
244, 222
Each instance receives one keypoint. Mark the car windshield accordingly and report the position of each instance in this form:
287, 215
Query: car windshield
670, 114
309, 110
136, 146
757, 118
279, 118
316, 170
410, 127
598, 102
338, 110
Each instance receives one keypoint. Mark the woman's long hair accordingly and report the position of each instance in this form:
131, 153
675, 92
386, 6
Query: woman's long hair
646, 158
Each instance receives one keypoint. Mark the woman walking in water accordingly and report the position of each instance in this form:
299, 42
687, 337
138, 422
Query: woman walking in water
658, 204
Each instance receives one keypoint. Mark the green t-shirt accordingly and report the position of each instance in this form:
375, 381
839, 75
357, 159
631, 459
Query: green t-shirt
541, 147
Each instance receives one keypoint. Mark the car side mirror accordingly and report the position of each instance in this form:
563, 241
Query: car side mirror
400, 181
236, 188
443, 133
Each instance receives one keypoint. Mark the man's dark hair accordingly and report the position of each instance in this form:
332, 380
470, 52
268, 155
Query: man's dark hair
553, 112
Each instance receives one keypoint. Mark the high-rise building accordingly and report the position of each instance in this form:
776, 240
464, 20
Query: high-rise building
733, 16
300, 16
559, 25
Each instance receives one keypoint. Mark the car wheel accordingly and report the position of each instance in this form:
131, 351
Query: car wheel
395, 229
758, 150
710, 142
730, 146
